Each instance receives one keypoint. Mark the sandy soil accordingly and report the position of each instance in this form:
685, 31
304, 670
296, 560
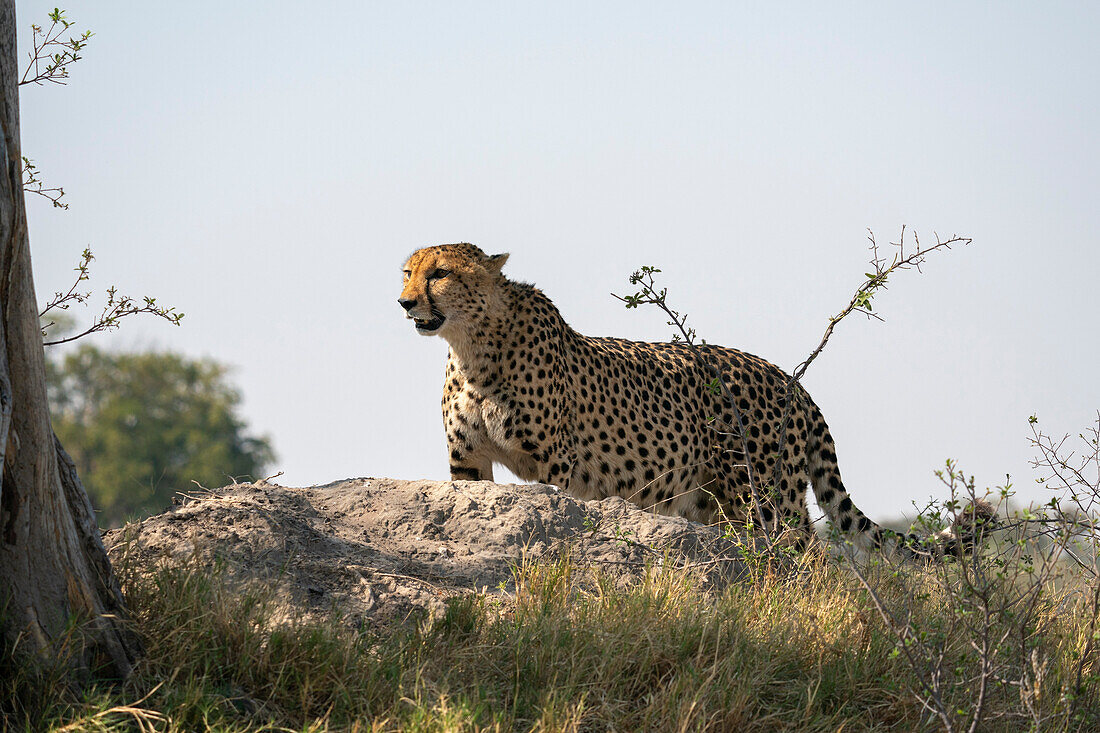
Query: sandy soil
372, 551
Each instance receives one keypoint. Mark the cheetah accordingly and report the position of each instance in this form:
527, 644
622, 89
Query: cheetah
600, 417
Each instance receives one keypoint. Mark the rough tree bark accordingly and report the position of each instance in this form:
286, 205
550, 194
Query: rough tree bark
53, 568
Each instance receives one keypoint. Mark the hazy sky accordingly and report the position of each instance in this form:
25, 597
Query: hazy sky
267, 166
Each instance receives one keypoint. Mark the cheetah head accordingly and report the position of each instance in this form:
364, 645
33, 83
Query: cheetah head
447, 287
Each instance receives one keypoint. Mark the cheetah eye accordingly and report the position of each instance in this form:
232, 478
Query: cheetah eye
407, 273
439, 274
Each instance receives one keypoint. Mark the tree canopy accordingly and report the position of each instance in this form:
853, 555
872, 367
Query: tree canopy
142, 426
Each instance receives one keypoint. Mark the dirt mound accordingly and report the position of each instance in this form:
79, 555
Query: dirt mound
373, 550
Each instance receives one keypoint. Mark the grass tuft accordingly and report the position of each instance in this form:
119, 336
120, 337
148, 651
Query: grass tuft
573, 649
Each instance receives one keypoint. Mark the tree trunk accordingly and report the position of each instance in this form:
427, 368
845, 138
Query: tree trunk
53, 568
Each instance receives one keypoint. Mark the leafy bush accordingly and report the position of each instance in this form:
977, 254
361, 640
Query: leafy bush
142, 426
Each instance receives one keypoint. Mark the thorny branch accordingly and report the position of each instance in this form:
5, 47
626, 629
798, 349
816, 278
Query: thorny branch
1076, 477
908, 646
861, 303
995, 599
650, 295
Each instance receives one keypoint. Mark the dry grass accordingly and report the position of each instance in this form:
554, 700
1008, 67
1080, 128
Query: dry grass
798, 649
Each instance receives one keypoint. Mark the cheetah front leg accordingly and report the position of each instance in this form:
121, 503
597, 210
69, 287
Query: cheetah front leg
469, 467
467, 440
466, 452
556, 468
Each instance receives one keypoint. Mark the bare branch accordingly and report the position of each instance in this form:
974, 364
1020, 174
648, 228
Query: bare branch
861, 302
114, 310
33, 184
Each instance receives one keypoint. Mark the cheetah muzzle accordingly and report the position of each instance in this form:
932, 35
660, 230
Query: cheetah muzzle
428, 327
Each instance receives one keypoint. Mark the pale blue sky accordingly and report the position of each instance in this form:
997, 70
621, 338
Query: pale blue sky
266, 167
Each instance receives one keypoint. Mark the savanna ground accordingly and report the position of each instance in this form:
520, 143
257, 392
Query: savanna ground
576, 635
454, 606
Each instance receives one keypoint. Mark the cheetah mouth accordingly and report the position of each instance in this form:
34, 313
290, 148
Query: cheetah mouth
428, 326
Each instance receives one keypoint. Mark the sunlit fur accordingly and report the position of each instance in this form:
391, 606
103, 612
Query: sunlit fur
603, 417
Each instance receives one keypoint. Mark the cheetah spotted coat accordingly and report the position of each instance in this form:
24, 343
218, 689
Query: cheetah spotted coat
603, 417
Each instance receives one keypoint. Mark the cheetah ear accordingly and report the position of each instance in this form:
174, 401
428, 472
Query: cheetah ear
495, 262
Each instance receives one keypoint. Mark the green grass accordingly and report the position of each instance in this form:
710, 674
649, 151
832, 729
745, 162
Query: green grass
574, 649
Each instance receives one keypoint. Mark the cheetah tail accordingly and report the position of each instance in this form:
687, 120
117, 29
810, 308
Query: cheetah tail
833, 498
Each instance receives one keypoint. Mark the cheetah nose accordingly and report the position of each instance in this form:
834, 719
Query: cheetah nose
407, 303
